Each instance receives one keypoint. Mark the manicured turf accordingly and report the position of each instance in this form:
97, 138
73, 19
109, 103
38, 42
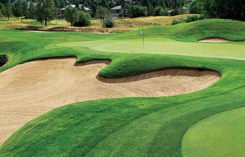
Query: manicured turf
219, 135
128, 126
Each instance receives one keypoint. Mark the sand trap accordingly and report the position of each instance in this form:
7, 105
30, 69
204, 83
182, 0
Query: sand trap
217, 40
31, 89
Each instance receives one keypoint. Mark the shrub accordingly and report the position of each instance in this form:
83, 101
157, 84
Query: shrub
108, 23
188, 19
177, 21
102, 13
196, 7
71, 15
193, 18
177, 11
137, 11
83, 19
159, 11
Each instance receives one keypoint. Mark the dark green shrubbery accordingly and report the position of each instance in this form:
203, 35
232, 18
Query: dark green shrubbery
83, 19
108, 23
137, 11
196, 7
227, 9
188, 19
194, 18
160, 11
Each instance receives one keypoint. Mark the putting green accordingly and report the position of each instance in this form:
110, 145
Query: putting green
221, 135
164, 46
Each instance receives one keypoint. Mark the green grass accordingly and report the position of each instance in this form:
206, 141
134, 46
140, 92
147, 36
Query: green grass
219, 135
129, 126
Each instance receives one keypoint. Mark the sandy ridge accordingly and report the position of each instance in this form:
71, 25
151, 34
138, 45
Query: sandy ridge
33, 88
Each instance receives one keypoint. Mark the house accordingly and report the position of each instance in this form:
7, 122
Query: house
80, 6
186, 10
116, 11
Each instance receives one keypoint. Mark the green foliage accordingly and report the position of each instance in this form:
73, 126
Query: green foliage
31, 11
46, 11
2, 10
9, 12
229, 9
176, 11
17, 9
194, 18
25, 10
102, 13
188, 19
160, 11
71, 15
196, 7
83, 19
177, 21
108, 23
137, 11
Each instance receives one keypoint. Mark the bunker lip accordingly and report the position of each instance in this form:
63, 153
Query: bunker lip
36, 87
3, 60
171, 72
218, 40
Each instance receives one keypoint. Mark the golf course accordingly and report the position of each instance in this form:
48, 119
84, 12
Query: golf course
161, 90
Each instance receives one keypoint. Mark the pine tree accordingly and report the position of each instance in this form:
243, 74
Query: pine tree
31, 11
9, 11
46, 11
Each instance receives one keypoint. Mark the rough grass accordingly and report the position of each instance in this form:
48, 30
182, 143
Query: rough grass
126, 126
121, 25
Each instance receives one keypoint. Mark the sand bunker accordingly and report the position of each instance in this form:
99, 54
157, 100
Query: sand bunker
31, 89
217, 40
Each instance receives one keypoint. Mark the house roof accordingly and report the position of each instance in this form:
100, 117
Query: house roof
116, 8
80, 6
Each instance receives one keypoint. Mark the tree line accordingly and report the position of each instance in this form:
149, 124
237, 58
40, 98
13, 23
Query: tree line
227, 9
46, 10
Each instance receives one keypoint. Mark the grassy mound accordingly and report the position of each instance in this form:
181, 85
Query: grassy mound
194, 31
128, 126
219, 135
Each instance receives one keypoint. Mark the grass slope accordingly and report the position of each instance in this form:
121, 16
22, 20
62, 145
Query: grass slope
219, 135
126, 126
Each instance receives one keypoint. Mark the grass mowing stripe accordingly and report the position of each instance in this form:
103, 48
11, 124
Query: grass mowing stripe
88, 127
223, 130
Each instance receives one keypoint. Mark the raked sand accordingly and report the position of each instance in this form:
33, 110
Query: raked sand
31, 89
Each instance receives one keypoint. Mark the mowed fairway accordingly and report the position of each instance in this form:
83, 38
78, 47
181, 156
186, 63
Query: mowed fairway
219, 135
151, 122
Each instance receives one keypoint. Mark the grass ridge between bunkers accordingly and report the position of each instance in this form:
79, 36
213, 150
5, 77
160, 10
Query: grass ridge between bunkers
125, 126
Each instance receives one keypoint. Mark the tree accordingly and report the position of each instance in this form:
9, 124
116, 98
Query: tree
9, 11
2, 10
24, 9
38, 12
46, 11
160, 11
17, 9
71, 15
102, 13
31, 11
228, 9
137, 11
83, 19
